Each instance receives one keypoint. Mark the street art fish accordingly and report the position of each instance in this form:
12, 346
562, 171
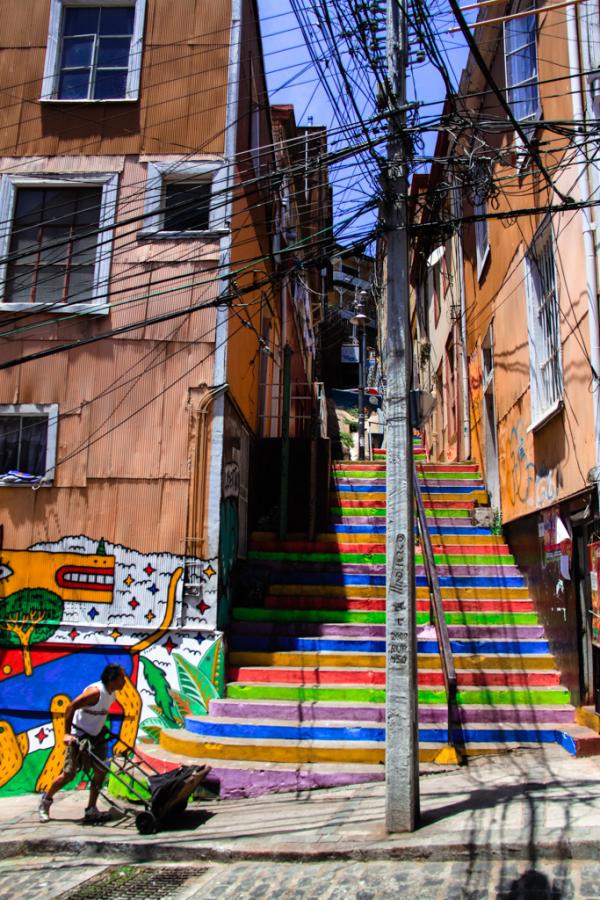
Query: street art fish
69, 608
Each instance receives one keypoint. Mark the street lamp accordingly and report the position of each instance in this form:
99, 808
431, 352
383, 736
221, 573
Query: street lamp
360, 319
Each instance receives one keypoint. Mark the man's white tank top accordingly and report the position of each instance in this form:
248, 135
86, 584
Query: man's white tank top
91, 719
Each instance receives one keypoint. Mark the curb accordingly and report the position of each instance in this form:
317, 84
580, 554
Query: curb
155, 851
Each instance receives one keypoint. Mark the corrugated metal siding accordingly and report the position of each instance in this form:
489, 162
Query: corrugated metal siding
183, 86
171, 529
26, 24
123, 441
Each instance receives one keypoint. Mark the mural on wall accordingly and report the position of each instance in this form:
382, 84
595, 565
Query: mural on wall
69, 608
527, 485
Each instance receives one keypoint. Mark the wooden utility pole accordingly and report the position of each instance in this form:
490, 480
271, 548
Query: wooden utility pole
402, 747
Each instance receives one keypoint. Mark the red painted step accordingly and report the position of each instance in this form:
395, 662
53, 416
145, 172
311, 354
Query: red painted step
358, 467
377, 604
366, 604
339, 501
471, 549
316, 547
311, 675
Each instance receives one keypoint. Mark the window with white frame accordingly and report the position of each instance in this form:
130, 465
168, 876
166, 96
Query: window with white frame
520, 57
543, 327
28, 433
94, 50
184, 199
482, 242
56, 241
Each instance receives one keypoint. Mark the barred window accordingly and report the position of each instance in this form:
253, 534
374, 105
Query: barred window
520, 52
544, 326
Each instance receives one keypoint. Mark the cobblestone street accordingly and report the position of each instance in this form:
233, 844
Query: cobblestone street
27, 879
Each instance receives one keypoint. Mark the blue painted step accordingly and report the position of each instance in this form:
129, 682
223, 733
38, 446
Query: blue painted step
287, 732
340, 578
282, 643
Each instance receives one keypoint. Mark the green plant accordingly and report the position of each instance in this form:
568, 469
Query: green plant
497, 523
198, 685
347, 440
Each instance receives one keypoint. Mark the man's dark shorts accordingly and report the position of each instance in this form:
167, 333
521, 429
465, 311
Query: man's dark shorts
77, 754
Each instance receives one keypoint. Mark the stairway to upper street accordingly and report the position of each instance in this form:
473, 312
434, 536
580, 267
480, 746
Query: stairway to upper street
305, 698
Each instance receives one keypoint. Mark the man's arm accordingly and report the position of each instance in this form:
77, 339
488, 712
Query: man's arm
88, 698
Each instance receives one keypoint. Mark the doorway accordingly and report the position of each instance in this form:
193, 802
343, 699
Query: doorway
589, 656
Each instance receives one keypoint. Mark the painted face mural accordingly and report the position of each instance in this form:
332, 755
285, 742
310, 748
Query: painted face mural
68, 609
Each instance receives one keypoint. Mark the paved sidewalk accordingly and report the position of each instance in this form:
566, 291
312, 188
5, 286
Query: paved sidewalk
528, 804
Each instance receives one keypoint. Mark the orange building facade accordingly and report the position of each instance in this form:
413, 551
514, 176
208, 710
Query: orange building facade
137, 292
528, 189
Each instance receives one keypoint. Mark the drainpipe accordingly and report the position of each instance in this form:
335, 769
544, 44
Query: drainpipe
464, 362
588, 226
222, 317
196, 520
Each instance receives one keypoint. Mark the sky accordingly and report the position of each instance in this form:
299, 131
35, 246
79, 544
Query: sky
292, 79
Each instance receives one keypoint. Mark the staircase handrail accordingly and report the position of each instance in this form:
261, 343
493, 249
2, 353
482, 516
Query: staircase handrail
439, 620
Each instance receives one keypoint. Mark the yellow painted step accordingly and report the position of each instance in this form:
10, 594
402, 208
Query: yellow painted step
187, 744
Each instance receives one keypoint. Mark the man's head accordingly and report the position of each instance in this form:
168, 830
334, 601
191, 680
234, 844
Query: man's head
113, 677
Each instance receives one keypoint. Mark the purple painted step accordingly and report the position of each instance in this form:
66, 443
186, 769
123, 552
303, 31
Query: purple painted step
435, 522
481, 571
373, 712
309, 629
298, 712
277, 565
364, 520
238, 783
342, 629
285, 565
507, 715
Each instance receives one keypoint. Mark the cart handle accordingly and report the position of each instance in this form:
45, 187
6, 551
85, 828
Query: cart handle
132, 750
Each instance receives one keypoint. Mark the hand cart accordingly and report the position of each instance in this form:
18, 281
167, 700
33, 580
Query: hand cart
169, 791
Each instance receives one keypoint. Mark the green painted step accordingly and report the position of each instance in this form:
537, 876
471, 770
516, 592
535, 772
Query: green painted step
379, 475
450, 476
358, 558
448, 513
309, 615
427, 696
239, 691
430, 513
367, 511
379, 558
252, 614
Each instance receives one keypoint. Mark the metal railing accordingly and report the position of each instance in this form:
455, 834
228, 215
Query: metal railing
455, 736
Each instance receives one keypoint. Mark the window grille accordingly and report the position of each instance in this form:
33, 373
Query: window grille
521, 67
544, 325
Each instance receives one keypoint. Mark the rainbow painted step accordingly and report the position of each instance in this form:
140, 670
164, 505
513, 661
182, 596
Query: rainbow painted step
306, 678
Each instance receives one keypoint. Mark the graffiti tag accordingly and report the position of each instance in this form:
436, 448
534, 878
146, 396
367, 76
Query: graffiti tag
526, 483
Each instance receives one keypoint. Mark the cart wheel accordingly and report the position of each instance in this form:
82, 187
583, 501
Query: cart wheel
145, 822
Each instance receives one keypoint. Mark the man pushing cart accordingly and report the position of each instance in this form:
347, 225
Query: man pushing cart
86, 739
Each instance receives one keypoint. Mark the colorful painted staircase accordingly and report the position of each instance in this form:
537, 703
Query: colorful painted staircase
305, 698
